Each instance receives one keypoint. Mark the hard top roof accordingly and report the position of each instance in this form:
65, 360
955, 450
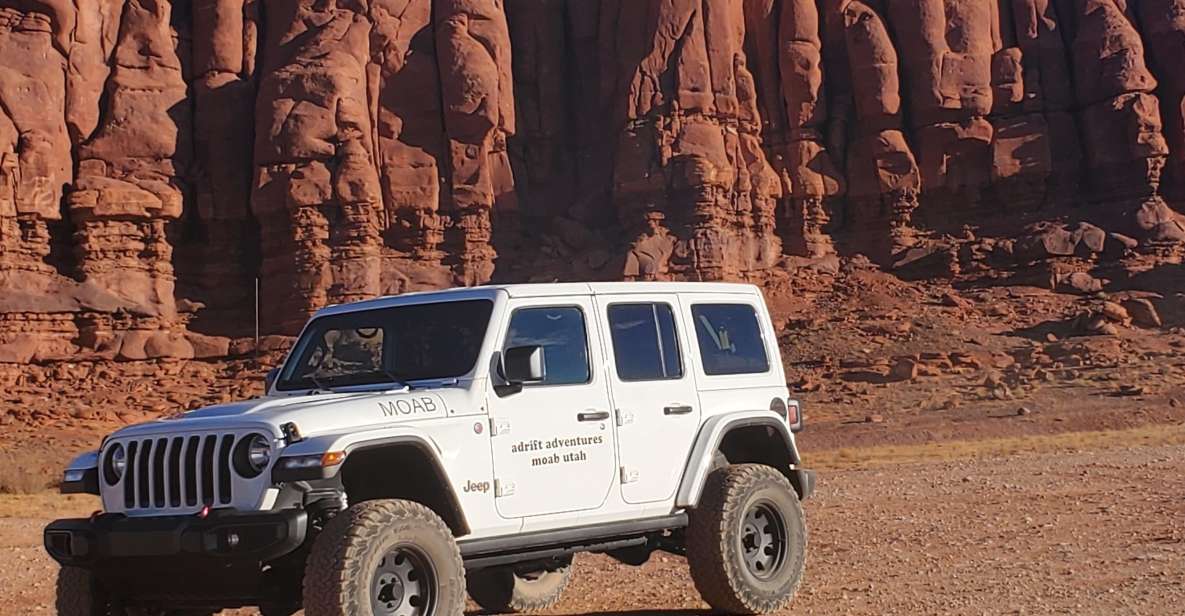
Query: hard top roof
551, 289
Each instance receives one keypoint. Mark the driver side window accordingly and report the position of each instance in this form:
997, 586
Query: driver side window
561, 332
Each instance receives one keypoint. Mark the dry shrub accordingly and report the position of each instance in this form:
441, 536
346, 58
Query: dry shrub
19, 476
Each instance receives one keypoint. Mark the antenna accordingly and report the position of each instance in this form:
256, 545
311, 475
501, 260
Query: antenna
257, 321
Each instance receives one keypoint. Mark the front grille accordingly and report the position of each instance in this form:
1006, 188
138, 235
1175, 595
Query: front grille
179, 472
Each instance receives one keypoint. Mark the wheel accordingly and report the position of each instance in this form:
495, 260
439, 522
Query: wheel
746, 540
502, 589
385, 558
81, 594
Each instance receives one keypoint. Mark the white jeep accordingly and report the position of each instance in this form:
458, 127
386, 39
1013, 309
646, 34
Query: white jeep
411, 448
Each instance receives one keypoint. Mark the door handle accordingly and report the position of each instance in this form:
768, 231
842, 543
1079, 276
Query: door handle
677, 409
592, 416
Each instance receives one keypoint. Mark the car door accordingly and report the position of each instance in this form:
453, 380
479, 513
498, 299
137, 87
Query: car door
656, 405
552, 441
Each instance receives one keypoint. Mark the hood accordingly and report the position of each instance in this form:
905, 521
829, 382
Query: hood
318, 413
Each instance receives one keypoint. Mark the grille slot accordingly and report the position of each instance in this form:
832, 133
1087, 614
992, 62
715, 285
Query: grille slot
178, 472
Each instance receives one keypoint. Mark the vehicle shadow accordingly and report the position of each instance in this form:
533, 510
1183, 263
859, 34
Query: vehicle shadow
617, 613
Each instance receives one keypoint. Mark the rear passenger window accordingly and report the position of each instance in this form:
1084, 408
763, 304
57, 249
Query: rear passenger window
729, 339
560, 331
645, 346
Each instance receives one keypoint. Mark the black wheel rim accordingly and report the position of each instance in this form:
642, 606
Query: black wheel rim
404, 584
763, 539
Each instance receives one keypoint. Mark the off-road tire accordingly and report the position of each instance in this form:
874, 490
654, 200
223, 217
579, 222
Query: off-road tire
714, 542
80, 594
345, 556
500, 589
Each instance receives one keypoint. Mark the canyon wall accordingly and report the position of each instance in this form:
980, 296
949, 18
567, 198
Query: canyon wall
158, 157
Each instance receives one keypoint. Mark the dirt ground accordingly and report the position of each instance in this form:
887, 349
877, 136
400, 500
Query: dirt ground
1093, 531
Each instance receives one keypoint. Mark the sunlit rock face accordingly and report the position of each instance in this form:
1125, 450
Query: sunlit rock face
161, 160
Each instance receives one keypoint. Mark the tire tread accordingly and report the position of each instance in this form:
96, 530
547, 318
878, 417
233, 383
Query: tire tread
331, 574
715, 575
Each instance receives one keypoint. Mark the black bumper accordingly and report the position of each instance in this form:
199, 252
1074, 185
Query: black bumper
218, 538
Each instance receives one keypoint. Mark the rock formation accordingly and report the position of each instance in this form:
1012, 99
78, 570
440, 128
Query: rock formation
159, 156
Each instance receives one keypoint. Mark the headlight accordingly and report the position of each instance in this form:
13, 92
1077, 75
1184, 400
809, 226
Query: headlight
253, 455
115, 463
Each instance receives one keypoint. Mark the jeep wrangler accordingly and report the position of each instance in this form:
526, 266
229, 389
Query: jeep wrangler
414, 448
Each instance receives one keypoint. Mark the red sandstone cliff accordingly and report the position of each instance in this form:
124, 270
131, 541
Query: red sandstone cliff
157, 156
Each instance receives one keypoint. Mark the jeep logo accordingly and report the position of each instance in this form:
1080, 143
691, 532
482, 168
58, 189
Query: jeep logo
417, 405
481, 486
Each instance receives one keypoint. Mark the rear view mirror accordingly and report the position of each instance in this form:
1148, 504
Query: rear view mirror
523, 364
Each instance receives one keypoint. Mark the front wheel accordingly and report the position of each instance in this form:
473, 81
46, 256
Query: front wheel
504, 589
746, 541
80, 593
386, 558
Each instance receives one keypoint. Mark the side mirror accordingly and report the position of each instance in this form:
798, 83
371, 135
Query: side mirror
270, 379
523, 364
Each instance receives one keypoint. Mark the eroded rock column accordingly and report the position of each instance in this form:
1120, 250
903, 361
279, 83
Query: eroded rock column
473, 45
35, 147
132, 172
317, 195
225, 47
412, 153
1120, 119
786, 50
1163, 26
946, 47
1036, 155
691, 184
883, 176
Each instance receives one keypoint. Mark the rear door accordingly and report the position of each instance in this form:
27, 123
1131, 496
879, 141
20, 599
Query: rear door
656, 407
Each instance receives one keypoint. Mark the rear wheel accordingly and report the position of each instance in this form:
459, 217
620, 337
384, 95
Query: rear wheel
746, 542
503, 589
386, 558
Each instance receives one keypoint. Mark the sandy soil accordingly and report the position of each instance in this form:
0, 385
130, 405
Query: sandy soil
1091, 532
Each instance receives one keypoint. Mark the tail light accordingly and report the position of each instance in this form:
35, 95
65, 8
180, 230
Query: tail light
789, 410
794, 416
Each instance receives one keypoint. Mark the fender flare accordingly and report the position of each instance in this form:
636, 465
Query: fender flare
379, 439
708, 441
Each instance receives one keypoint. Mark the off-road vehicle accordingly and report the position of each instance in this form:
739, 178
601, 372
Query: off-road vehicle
416, 447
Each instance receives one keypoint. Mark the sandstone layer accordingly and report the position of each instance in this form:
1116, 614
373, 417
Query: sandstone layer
159, 157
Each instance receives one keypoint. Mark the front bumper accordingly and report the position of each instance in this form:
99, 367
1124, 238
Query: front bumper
218, 538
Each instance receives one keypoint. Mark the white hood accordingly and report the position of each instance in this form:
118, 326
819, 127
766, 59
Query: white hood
318, 413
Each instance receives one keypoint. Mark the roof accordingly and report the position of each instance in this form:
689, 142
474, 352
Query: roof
556, 289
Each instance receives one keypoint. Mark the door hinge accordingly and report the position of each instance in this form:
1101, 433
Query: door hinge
503, 488
624, 417
628, 475
499, 427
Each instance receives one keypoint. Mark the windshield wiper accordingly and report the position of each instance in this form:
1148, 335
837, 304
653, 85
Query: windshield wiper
319, 387
394, 378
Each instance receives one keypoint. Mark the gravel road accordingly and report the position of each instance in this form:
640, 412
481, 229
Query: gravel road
1078, 533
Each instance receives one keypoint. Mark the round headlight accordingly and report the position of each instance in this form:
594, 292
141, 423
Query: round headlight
253, 455
117, 462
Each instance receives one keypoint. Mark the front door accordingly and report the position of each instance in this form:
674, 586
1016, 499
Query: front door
656, 403
553, 441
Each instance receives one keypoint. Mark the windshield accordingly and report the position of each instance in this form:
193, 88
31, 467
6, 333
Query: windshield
403, 343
